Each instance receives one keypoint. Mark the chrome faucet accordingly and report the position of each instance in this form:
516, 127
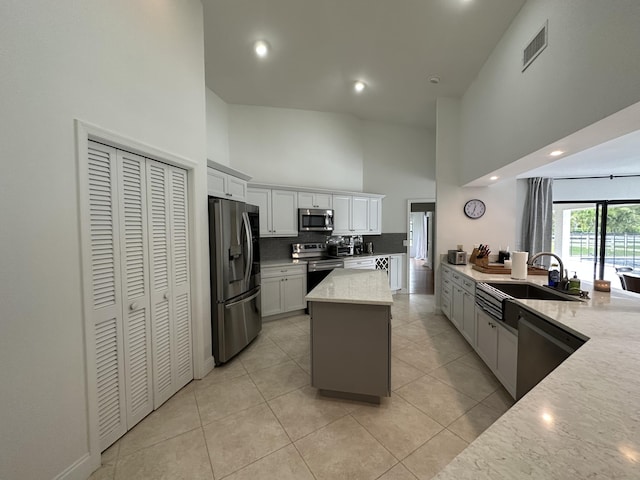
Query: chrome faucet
563, 275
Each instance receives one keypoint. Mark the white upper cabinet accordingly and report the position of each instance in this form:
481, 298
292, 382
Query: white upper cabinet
356, 215
278, 211
224, 185
375, 215
314, 200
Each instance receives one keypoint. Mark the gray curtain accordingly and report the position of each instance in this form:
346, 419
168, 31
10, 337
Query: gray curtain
538, 217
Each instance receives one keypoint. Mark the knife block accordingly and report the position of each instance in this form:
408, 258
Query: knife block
474, 255
482, 261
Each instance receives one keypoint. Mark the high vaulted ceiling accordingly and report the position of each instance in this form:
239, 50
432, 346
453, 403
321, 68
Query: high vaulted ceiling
320, 47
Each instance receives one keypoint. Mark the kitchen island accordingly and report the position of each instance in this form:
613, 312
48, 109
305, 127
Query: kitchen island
582, 420
351, 334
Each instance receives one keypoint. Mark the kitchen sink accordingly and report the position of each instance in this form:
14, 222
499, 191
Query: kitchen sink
526, 290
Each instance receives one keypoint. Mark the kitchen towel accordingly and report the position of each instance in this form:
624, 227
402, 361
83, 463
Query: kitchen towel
519, 265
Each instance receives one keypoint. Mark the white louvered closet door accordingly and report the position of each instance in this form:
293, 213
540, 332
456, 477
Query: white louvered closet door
181, 286
106, 302
169, 275
135, 286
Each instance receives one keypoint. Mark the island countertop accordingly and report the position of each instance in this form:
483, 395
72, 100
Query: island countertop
583, 419
368, 287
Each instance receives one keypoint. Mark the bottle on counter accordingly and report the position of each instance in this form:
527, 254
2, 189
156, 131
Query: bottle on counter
574, 284
554, 275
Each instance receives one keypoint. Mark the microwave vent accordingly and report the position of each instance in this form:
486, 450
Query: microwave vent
535, 46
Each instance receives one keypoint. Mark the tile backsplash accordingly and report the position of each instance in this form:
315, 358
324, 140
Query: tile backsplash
279, 248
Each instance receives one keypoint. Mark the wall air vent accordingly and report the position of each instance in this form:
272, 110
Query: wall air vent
535, 46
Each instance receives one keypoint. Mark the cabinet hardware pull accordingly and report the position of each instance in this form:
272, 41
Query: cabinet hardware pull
133, 306
166, 295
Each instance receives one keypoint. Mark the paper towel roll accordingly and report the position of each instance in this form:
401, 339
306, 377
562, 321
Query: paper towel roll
519, 265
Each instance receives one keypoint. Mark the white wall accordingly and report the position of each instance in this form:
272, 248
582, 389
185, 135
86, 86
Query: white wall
296, 147
399, 161
626, 188
588, 71
497, 227
217, 129
135, 68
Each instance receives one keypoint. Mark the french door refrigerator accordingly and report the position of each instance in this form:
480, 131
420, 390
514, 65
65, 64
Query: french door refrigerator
235, 276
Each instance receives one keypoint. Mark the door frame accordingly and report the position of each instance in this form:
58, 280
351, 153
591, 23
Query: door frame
85, 132
407, 269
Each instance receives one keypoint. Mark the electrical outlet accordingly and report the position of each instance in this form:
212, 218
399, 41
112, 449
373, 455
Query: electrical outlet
405, 243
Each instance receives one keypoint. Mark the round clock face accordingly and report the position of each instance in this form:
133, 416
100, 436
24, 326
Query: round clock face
474, 208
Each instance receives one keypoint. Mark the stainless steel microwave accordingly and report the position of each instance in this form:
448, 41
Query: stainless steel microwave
315, 220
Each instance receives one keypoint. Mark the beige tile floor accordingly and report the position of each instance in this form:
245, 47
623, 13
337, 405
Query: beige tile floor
257, 417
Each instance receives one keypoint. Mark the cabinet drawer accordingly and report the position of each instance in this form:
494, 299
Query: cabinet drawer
270, 272
469, 286
369, 263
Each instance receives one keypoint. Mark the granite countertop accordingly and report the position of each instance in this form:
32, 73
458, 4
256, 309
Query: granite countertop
370, 287
583, 420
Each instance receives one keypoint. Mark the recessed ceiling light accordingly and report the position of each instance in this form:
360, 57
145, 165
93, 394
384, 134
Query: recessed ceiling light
261, 47
359, 86
556, 153
495, 177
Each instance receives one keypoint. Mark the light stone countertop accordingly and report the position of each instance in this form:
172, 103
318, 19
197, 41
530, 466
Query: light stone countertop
369, 287
583, 420
285, 262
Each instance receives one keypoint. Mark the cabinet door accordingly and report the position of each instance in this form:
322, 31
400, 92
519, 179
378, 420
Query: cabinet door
375, 215
486, 338
457, 306
468, 317
216, 183
507, 359
272, 298
284, 213
236, 189
322, 200
314, 200
396, 271
262, 198
306, 200
342, 214
360, 215
295, 289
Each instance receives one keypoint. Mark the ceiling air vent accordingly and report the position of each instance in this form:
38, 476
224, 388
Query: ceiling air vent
535, 47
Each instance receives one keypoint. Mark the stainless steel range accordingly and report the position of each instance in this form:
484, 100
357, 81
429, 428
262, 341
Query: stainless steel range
319, 263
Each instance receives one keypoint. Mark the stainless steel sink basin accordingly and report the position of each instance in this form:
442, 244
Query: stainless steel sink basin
526, 290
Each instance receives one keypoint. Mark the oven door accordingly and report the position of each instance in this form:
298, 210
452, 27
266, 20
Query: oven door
317, 273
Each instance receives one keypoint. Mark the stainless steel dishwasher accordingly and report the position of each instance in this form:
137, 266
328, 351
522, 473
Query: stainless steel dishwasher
542, 346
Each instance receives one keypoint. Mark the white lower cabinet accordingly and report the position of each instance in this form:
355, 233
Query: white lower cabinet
396, 271
446, 292
368, 263
283, 289
498, 347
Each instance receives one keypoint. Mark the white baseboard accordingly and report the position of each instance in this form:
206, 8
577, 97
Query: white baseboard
81, 469
206, 368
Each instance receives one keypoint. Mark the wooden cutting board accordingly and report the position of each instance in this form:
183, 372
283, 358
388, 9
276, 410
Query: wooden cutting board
498, 269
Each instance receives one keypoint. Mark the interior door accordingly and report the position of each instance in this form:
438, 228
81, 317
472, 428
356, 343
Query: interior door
105, 306
135, 286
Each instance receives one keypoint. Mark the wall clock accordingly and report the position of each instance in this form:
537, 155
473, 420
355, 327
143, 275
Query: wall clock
474, 208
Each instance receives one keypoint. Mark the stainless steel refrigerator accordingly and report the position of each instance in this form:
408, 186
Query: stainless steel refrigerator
235, 276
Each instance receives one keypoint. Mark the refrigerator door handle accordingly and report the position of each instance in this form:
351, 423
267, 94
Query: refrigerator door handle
247, 230
244, 300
